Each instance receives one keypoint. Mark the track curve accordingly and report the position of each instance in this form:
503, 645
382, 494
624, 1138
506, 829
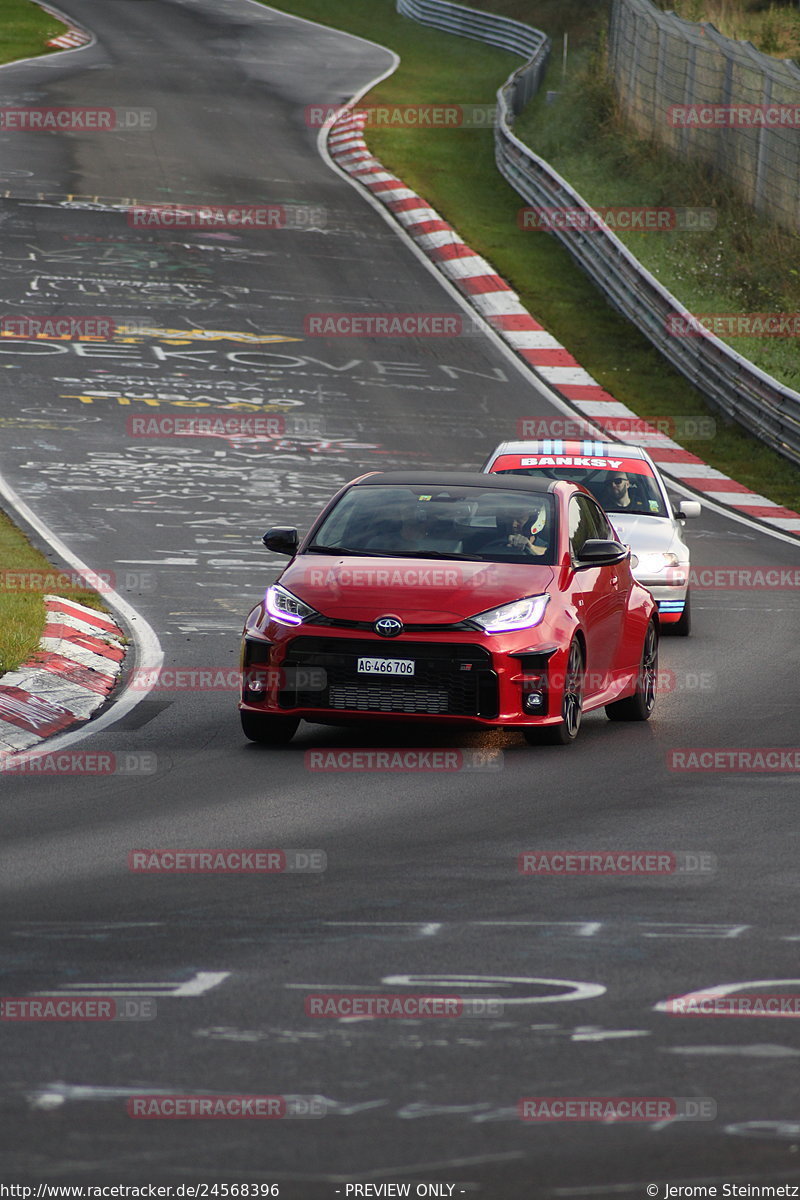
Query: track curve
421, 882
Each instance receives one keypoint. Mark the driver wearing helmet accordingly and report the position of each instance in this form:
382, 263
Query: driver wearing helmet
526, 530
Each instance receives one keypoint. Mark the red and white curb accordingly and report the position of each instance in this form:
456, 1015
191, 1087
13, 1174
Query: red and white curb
492, 297
70, 39
79, 658
74, 36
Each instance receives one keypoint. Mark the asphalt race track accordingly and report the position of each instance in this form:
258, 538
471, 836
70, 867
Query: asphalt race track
422, 892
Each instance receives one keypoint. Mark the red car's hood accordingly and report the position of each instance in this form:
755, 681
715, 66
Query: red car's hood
418, 590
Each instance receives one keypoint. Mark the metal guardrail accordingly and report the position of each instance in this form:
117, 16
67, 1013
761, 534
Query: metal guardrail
732, 383
502, 32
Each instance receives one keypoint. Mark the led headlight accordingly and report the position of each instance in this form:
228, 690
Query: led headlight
520, 614
287, 608
651, 564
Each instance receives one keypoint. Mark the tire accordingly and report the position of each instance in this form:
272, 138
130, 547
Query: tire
269, 730
683, 627
639, 706
565, 733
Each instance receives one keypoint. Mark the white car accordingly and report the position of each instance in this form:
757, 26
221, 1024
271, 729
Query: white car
626, 482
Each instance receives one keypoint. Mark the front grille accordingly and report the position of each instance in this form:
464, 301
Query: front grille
369, 626
455, 680
376, 697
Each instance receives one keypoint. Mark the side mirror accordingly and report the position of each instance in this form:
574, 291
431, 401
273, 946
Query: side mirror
688, 508
282, 539
597, 552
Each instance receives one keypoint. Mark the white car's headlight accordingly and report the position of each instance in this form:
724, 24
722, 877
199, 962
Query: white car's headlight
651, 564
285, 607
520, 614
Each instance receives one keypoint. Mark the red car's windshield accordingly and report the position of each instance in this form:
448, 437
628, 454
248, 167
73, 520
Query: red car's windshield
404, 520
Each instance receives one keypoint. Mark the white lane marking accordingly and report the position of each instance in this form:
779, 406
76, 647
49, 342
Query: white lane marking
720, 990
591, 1033
201, 982
758, 1050
575, 990
582, 928
53, 1095
782, 1130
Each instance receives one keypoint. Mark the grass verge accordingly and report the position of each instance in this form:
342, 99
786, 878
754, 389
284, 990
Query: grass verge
26, 576
454, 170
26, 30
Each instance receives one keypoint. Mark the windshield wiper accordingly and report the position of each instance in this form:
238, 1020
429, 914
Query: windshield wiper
422, 554
315, 549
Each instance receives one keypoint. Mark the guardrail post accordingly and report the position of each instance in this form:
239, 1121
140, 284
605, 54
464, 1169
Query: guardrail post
762, 154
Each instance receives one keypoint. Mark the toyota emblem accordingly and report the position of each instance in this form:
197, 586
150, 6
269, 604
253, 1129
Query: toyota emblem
388, 626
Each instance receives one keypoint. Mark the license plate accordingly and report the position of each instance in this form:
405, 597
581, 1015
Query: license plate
386, 666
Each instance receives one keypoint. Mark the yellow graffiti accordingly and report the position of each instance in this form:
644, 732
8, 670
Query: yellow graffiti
152, 402
179, 336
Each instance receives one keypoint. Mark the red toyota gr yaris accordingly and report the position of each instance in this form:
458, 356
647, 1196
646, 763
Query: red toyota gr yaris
443, 596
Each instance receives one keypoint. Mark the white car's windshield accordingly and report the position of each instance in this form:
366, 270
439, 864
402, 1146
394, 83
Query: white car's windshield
630, 488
